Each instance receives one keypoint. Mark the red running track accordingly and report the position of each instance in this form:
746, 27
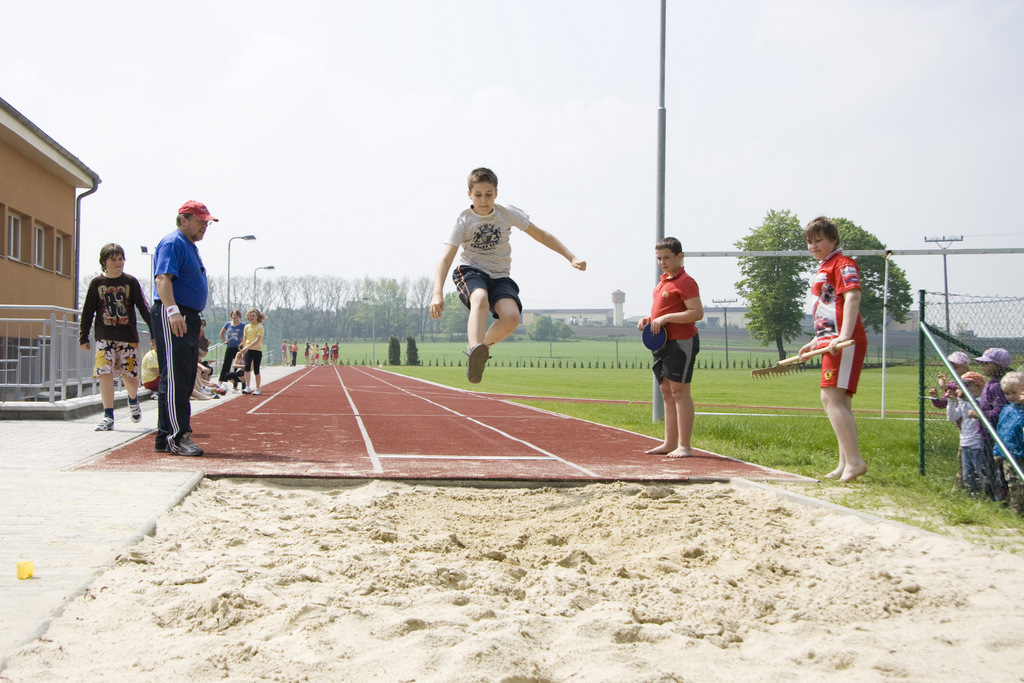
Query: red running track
361, 422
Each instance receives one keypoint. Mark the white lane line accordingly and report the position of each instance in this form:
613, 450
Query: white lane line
268, 399
396, 456
486, 426
374, 459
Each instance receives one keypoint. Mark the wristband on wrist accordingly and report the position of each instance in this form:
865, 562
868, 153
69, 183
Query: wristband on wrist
172, 310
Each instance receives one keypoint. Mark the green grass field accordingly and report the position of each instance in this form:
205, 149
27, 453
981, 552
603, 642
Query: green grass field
782, 425
625, 352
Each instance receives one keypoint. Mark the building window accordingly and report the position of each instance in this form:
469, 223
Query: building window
58, 261
39, 253
14, 236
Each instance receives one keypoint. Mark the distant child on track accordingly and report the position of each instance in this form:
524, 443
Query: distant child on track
836, 315
112, 299
483, 276
231, 335
253, 349
677, 308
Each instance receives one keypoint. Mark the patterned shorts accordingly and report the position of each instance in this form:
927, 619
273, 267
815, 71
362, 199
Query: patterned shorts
117, 357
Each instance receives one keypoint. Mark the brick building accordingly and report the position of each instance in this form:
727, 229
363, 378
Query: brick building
40, 212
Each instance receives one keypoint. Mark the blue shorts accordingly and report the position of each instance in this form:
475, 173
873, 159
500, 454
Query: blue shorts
467, 278
675, 360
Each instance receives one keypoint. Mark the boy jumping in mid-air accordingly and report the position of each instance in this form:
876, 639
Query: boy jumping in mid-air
836, 314
482, 277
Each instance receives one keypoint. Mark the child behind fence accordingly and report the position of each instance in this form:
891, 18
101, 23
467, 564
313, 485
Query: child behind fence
1011, 431
979, 470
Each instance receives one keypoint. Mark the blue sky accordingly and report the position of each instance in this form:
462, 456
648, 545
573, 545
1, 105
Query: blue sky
341, 133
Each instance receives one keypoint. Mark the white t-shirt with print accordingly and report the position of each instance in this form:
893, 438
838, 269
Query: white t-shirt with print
485, 239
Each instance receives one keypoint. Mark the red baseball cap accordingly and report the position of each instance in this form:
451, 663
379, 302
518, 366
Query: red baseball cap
197, 209
974, 378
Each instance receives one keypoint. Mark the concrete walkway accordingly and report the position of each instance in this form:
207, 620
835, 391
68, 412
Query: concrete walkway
74, 524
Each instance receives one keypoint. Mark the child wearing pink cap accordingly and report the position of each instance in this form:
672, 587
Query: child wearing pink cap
979, 469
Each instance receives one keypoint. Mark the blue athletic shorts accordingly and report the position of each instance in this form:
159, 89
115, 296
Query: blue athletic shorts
467, 278
674, 361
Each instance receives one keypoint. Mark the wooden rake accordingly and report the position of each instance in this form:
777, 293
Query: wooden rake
787, 365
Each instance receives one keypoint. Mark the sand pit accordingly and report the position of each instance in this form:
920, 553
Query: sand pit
618, 582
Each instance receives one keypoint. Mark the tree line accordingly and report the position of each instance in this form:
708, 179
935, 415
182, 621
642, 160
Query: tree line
776, 287
328, 307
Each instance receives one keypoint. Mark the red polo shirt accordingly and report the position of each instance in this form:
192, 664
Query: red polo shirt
669, 296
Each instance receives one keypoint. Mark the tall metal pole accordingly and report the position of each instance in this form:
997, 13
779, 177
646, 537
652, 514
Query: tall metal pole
725, 323
242, 237
945, 281
254, 282
657, 403
152, 279
373, 331
885, 326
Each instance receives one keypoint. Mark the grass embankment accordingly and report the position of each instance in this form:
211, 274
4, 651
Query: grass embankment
782, 426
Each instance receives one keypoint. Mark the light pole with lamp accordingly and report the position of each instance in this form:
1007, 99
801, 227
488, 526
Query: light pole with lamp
145, 252
945, 282
247, 238
373, 332
254, 282
725, 324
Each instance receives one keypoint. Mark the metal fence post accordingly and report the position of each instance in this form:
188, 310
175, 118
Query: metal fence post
920, 384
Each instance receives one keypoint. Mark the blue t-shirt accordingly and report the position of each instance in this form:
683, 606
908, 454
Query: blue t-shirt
1009, 429
178, 257
233, 334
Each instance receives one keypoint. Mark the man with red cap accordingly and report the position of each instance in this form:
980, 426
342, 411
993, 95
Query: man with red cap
181, 290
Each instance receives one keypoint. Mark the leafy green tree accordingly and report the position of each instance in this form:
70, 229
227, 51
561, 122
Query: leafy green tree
774, 286
542, 328
455, 317
394, 351
872, 277
412, 353
563, 331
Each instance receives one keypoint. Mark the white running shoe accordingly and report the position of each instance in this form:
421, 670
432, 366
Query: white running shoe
257, 393
105, 425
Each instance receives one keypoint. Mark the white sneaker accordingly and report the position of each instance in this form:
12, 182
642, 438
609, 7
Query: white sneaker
257, 393
105, 425
136, 411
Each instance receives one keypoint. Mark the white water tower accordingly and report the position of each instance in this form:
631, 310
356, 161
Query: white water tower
618, 298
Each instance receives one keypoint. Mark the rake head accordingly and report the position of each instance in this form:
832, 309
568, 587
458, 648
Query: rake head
776, 370
794, 363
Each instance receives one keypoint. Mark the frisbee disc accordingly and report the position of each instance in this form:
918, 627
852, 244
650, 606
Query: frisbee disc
654, 341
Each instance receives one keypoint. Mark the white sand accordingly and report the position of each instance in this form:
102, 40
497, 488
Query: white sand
391, 582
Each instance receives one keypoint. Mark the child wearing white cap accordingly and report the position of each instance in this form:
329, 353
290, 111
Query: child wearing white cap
961, 363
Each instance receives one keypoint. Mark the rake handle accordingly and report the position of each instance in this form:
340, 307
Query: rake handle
815, 352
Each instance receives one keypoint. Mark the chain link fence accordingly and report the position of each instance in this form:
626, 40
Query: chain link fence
959, 322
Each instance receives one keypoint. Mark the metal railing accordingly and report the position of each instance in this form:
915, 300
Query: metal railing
40, 359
